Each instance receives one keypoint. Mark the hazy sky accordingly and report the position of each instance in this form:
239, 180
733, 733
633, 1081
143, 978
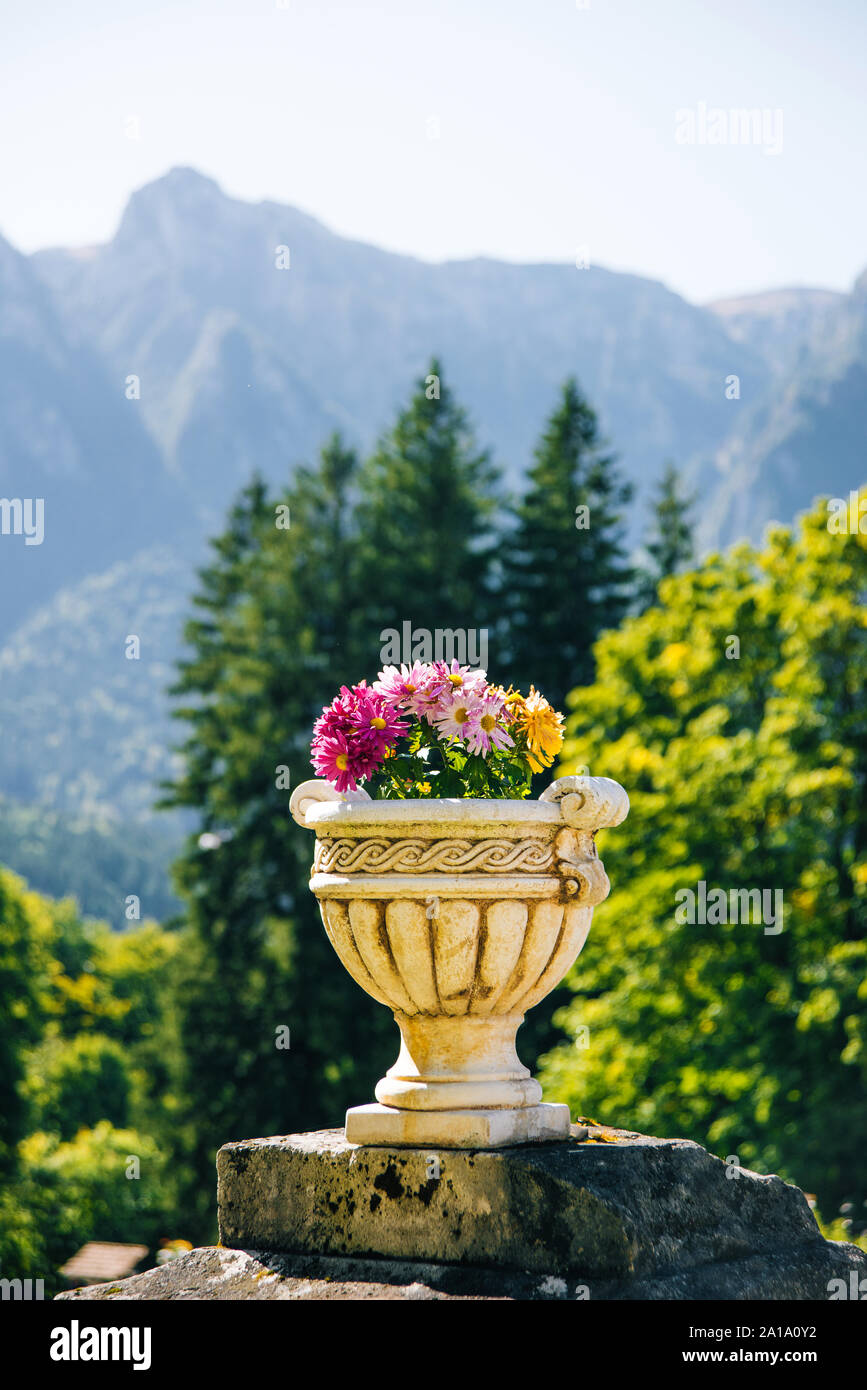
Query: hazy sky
460, 128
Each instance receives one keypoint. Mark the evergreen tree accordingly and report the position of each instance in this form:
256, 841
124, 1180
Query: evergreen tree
670, 547
323, 511
425, 522
565, 578
291, 607
275, 1035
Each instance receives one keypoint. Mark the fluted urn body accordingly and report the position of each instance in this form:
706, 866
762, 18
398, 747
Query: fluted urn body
459, 915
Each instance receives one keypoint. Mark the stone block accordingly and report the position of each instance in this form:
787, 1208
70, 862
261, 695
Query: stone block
609, 1207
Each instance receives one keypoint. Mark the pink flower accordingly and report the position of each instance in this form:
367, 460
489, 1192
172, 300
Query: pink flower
400, 685
461, 677
334, 759
485, 730
374, 717
443, 682
352, 734
414, 688
455, 714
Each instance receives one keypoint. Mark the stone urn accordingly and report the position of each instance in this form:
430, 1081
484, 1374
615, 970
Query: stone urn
459, 915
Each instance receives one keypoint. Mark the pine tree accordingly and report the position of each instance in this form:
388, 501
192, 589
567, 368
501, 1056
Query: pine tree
425, 522
565, 578
670, 547
292, 606
258, 971
323, 509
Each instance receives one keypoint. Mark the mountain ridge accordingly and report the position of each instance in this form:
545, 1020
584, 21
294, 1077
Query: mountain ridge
395, 310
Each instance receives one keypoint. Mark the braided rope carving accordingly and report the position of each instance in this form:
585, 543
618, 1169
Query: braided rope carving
378, 856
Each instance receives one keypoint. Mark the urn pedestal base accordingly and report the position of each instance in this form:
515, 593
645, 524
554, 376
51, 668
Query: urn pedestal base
457, 1084
456, 1129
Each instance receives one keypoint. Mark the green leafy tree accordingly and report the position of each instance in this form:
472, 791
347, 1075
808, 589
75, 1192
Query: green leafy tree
565, 578
102, 1184
735, 715
88, 1066
73, 1083
24, 927
670, 547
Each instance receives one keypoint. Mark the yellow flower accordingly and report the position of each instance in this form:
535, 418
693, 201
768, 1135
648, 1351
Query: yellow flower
543, 728
514, 702
424, 788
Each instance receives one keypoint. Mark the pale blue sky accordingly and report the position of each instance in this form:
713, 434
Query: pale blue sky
556, 126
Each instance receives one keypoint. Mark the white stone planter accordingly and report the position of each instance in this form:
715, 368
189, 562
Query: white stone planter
459, 915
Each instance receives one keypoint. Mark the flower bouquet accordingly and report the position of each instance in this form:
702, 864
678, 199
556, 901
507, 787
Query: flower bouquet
449, 893
434, 729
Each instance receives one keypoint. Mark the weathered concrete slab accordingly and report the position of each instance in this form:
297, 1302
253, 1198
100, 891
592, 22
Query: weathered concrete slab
238, 1275
613, 1209
607, 1215
212, 1273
